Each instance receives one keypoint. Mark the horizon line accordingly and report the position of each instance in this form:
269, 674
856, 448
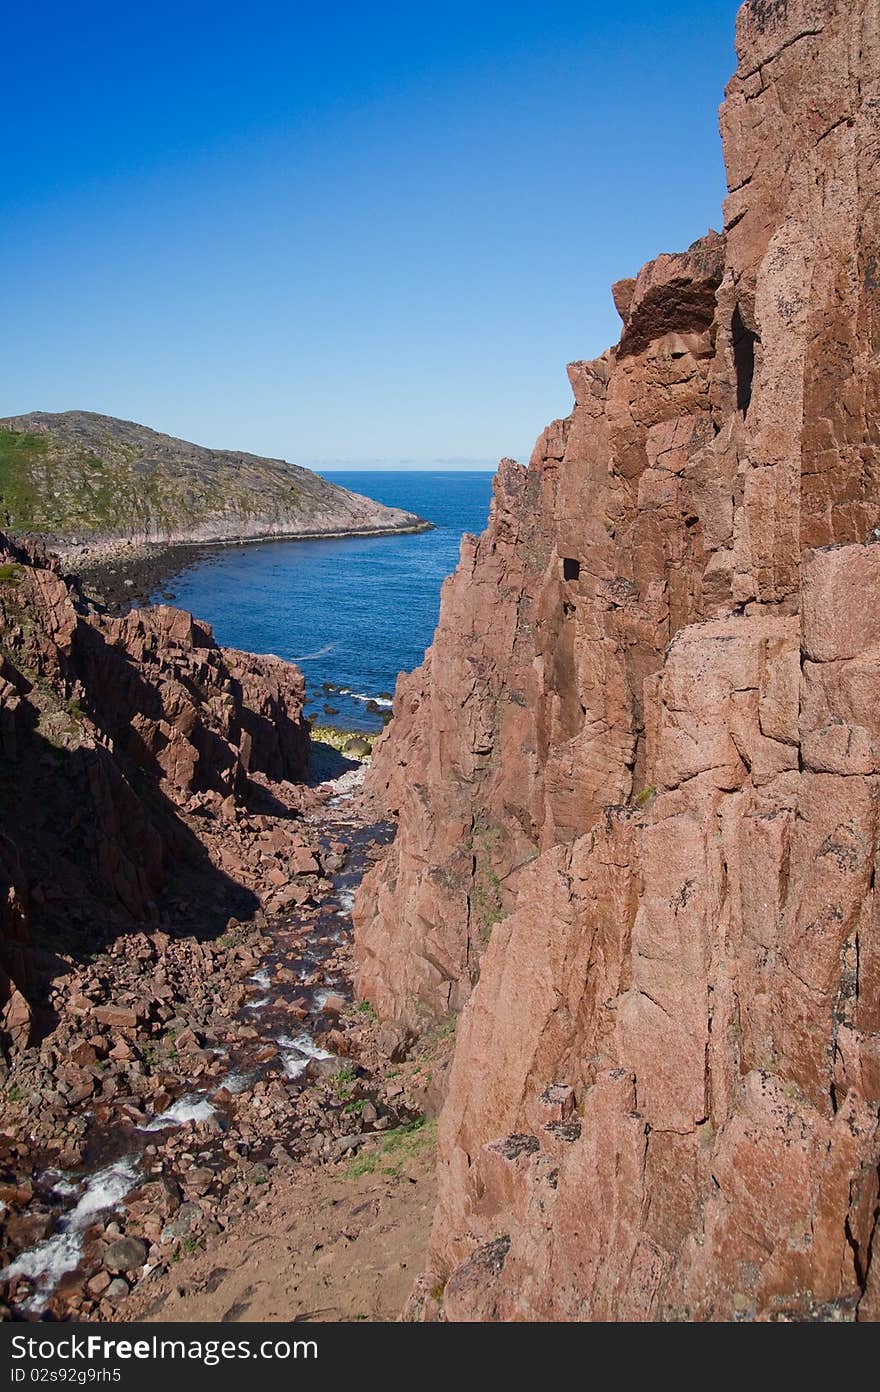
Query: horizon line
381, 466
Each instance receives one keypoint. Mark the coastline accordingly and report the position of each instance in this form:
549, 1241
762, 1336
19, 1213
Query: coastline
126, 573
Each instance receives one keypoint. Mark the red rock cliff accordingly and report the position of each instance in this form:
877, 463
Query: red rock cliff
637, 775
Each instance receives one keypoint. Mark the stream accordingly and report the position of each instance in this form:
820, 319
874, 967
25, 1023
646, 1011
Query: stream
284, 1047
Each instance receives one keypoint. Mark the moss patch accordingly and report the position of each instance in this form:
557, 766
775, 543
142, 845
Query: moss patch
338, 739
396, 1148
486, 899
42, 491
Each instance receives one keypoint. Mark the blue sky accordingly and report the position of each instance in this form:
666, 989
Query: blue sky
346, 233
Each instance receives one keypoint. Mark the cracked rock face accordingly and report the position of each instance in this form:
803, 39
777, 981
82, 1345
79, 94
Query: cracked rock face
637, 776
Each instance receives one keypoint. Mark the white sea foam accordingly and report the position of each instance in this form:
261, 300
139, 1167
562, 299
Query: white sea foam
185, 1109
306, 1045
359, 696
258, 1004
294, 1064
321, 652
46, 1263
62, 1185
321, 997
261, 977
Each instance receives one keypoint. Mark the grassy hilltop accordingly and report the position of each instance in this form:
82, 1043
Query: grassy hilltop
84, 479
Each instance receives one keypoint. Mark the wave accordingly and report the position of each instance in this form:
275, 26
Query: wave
359, 696
310, 657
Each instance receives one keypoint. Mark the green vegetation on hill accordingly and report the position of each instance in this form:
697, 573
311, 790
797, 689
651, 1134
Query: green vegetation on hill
41, 491
83, 478
19, 452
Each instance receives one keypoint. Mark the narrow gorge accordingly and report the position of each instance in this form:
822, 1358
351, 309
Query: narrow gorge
181, 1059
560, 1001
636, 778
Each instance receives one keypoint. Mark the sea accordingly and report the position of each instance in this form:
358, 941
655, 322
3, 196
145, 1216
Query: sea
353, 612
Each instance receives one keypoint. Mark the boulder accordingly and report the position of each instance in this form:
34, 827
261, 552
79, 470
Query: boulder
125, 1254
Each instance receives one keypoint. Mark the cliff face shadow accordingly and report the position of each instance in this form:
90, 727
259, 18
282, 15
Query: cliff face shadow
119, 694
260, 799
102, 851
327, 762
135, 709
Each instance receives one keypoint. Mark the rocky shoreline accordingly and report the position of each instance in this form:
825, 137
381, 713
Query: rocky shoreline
85, 482
127, 574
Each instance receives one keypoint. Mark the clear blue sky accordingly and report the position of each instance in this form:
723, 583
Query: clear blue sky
342, 232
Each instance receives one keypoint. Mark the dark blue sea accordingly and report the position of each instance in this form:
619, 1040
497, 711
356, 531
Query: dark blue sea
353, 613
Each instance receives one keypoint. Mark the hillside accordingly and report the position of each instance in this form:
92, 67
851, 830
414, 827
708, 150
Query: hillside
81, 479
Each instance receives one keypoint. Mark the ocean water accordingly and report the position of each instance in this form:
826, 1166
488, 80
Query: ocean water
353, 612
